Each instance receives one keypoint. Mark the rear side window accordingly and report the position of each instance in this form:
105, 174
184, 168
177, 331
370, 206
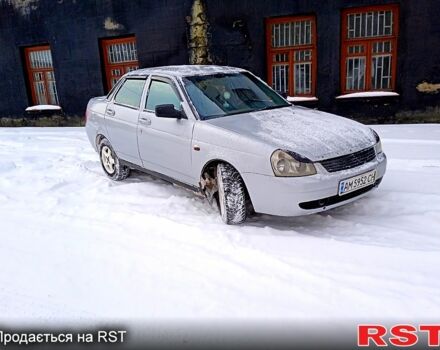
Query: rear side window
161, 93
130, 93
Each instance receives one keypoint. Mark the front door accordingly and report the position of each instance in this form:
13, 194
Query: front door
165, 143
121, 119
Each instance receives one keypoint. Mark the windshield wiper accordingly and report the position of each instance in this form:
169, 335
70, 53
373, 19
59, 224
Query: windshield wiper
228, 114
242, 112
269, 107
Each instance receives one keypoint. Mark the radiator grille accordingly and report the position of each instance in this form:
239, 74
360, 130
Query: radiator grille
349, 161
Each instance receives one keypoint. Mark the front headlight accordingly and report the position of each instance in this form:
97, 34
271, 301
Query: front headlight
284, 164
378, 145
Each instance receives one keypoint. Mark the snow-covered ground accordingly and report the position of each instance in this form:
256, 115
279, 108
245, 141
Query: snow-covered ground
76, 246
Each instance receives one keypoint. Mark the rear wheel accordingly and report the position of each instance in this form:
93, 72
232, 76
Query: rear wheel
231, 195
110, 162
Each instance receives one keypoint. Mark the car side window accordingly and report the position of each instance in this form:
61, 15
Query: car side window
130, 93
161, 93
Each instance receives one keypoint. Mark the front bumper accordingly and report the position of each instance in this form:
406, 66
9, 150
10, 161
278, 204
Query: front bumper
294, 196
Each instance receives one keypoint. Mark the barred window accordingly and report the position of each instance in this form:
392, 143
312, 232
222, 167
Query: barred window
120, 57
369, 48
291, 55
41, 75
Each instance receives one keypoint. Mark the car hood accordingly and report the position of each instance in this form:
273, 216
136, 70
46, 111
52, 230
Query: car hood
313, 134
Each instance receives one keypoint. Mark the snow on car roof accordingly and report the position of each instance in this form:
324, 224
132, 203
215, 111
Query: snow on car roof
186, 70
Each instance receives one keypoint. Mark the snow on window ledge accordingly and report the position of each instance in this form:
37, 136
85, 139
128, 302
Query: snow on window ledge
301, 99
43, 108
368, 94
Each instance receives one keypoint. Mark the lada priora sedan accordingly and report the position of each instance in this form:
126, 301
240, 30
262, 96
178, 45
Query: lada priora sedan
225, 134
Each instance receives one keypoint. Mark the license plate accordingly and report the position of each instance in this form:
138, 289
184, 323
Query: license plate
357, 182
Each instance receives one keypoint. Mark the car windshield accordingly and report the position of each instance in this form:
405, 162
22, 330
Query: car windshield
221, 94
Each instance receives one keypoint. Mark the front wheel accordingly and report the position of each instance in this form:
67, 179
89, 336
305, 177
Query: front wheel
110, 162
231, 195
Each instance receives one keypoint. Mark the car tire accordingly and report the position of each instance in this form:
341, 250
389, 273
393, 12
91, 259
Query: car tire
110, 162
231, 195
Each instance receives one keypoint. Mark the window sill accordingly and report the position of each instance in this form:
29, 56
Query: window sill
301, 99
367, 94
43, 108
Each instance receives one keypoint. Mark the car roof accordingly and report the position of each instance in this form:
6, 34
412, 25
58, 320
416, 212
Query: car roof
185, 70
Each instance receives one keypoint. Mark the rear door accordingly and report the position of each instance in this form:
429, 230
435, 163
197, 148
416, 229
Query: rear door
121, 118
165, 143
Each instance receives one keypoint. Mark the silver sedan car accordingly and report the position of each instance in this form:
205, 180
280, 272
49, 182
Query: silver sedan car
225, 134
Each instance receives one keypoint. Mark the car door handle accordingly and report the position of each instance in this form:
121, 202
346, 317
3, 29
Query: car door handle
145, 121
110, 112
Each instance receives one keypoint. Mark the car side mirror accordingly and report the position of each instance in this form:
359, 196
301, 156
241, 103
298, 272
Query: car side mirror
168, 111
